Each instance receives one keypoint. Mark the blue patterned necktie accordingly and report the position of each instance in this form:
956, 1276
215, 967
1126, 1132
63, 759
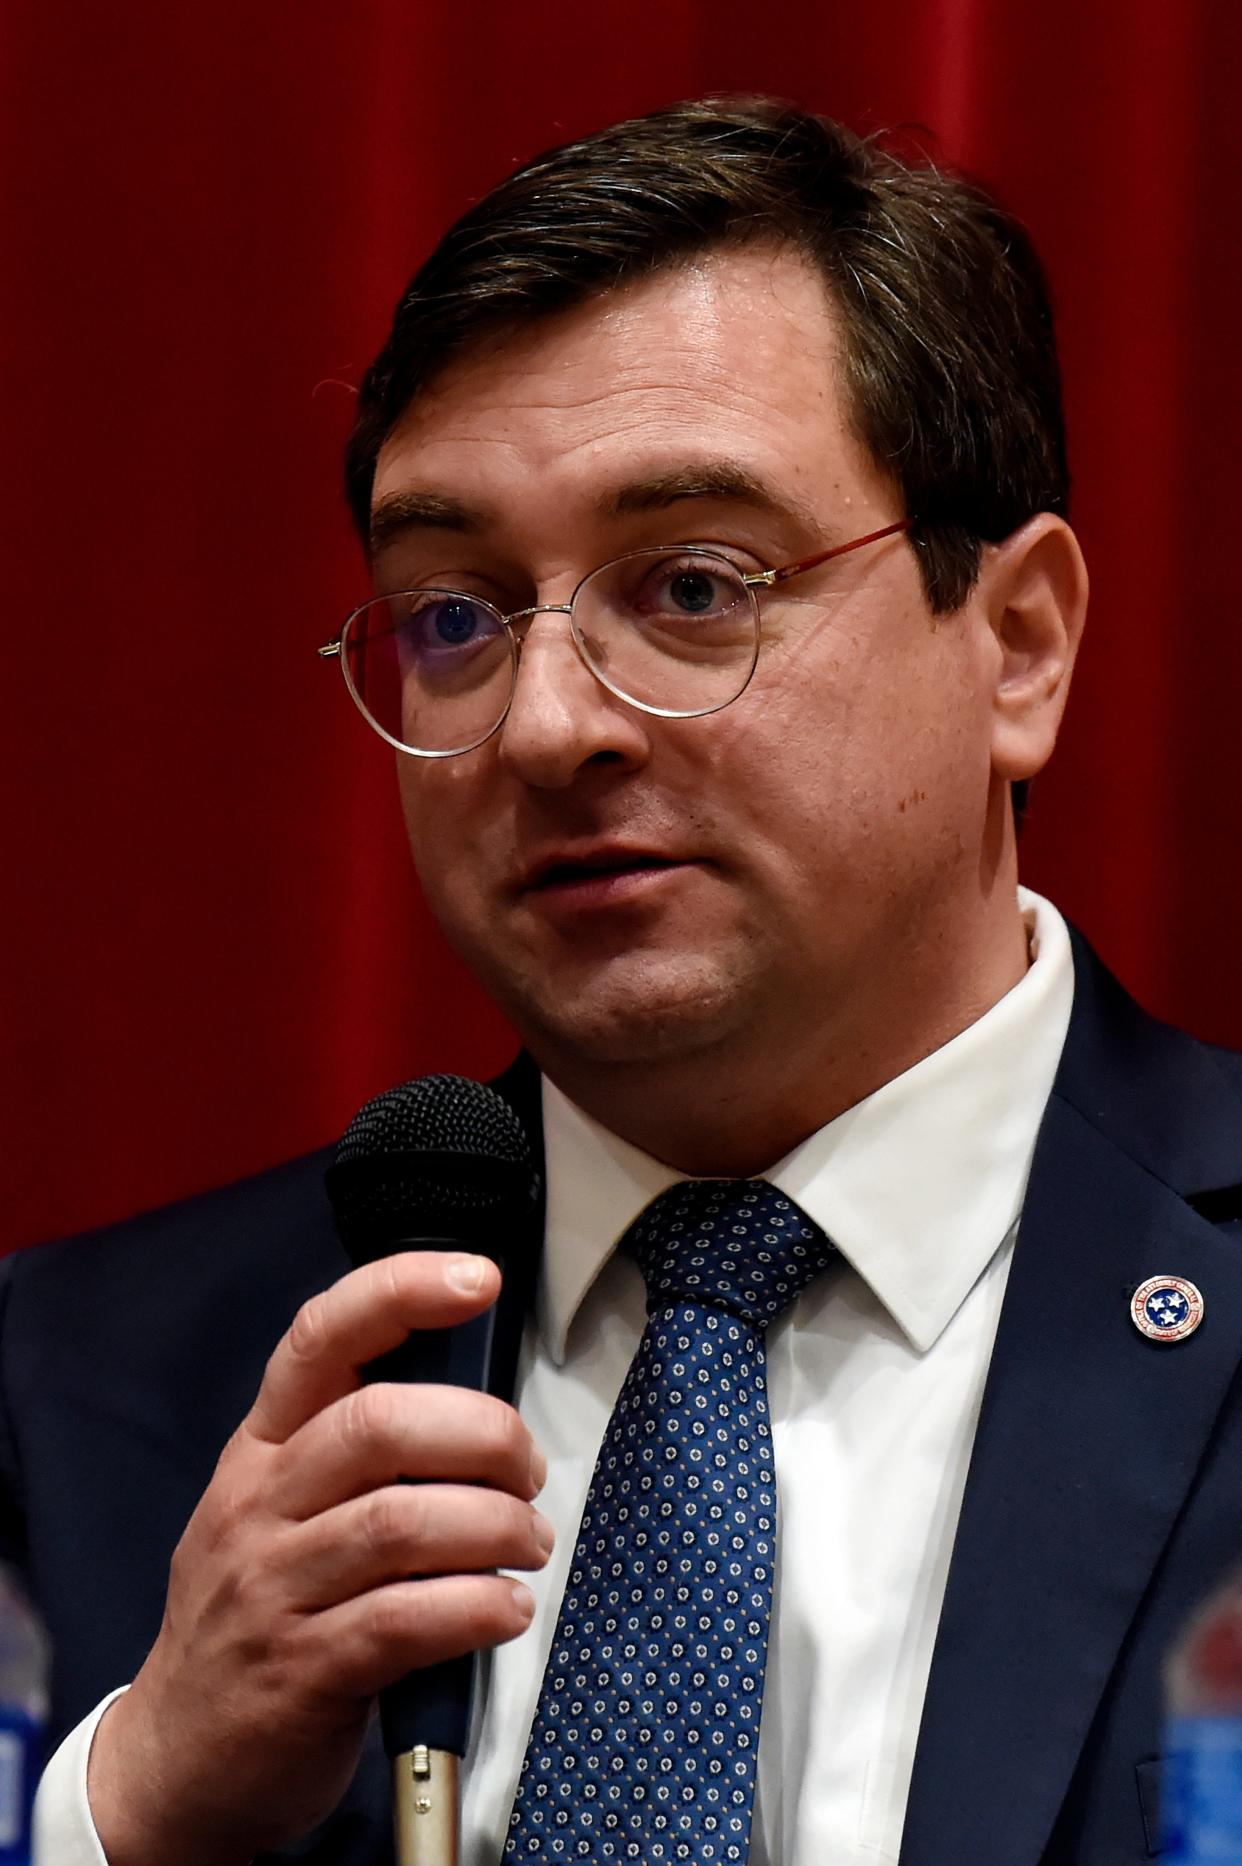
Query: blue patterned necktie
646, 1738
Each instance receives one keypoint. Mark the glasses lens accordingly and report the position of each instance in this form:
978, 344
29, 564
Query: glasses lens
432, 669
676, 631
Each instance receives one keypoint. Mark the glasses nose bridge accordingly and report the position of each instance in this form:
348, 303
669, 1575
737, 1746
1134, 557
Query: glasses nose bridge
518, 626
525, 616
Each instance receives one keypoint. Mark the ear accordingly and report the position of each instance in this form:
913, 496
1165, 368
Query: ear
1035, 594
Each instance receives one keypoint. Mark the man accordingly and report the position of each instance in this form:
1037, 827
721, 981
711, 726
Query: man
714, 481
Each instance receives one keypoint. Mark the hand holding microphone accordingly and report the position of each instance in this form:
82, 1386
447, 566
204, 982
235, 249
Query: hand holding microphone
313, 1574
440, 1163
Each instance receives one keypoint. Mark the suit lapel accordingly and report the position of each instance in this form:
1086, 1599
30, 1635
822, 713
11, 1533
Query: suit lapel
1089, 1435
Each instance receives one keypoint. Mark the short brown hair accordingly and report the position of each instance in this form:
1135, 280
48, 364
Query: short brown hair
950, 362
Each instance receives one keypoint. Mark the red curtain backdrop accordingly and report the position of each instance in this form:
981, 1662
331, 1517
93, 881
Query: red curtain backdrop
217, 950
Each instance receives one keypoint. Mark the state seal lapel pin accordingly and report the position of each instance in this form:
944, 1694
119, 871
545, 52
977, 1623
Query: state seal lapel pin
1166, 1308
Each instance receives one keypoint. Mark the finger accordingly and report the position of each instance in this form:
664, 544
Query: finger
364, 1644
408, 1530
380, 1434
369, 1312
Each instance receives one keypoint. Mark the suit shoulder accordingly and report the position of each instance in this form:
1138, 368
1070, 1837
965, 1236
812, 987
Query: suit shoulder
1229, 1062
1171, 1101
265, 1243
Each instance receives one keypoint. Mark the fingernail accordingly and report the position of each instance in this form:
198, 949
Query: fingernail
538, 1469
466, 1274
523, 1600
545, 1535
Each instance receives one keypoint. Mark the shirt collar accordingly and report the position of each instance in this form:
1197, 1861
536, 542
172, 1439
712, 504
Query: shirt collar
917, 1186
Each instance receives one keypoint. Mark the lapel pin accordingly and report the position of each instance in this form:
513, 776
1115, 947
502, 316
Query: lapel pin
1166, 1308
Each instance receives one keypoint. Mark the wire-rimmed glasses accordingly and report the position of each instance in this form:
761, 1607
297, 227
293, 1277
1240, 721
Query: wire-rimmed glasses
673, 630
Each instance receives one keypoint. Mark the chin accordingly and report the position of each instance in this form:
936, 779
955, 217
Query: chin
647, 1018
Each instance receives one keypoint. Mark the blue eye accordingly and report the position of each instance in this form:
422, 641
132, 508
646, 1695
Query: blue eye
453, 622
448, 640
444, 627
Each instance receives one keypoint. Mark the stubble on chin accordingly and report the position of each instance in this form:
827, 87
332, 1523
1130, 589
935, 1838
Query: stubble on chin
629, 1013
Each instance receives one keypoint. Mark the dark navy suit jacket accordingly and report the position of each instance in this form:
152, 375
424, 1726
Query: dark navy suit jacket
1104, 1495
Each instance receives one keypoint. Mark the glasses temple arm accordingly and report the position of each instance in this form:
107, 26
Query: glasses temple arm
781, 574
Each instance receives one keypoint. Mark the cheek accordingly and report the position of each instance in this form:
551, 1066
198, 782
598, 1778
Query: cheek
440, 807
933, 728
873, 734
805, 735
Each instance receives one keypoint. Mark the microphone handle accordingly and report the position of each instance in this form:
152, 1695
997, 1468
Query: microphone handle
430, 1708
425, 1716
425, 1807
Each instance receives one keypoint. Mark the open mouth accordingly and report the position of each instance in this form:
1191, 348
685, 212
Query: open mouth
573, 874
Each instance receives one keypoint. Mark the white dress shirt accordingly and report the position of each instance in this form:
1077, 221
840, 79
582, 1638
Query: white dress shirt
875, 1378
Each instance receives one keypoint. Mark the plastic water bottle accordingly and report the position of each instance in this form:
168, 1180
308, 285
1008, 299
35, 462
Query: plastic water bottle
23, 1715
1201, 1789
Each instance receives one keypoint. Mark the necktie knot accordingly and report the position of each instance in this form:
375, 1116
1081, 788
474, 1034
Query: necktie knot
733, 1244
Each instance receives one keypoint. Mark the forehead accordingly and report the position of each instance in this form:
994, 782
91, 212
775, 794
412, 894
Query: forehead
733, 356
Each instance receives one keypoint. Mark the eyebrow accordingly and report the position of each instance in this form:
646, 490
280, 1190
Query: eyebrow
713, 479
398, 513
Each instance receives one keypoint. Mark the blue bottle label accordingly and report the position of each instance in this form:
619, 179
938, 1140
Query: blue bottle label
1201, 1791
21, 1759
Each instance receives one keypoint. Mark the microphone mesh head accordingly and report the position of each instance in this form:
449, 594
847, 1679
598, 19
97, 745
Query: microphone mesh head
438, 1157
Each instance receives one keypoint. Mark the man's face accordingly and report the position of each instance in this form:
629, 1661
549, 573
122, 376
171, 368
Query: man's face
633, 888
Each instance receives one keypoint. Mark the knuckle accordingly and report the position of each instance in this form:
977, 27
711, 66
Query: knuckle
505, 1437
397, 1283
182, 1562
230, 1507
227, 1510
308, 1330
492, 1607
273, 1657
392, 1276
391, 1617
365, 1417
521, 1547
394, 1523
519, 1526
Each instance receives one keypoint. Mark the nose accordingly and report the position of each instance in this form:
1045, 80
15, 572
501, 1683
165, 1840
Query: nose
562, 719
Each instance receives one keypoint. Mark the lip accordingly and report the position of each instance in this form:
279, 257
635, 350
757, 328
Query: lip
599, 867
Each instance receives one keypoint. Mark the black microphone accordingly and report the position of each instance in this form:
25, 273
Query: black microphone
441, 1163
